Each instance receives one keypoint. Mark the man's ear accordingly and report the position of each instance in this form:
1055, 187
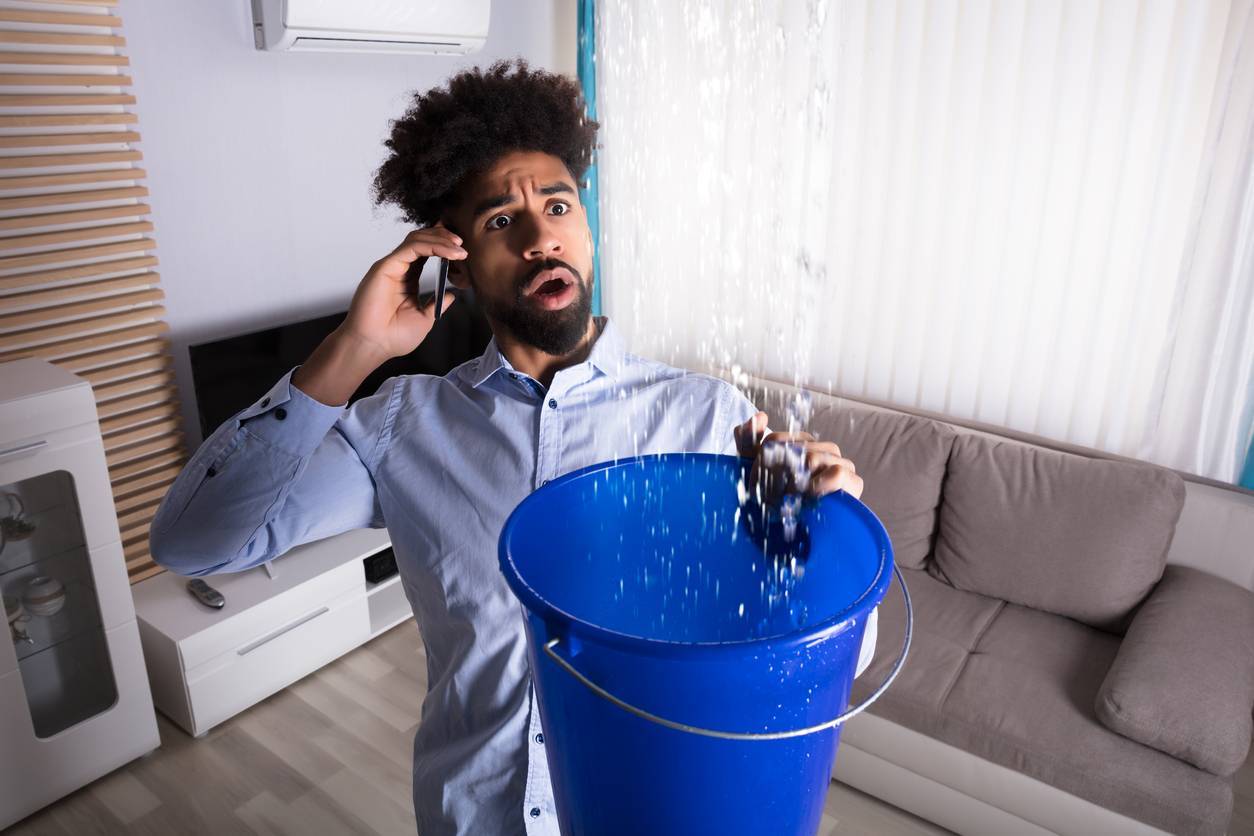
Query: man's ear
458, 275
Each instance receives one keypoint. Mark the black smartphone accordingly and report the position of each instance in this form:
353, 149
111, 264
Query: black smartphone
426, 285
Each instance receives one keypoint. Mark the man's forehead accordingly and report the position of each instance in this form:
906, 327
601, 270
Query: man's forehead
520, 170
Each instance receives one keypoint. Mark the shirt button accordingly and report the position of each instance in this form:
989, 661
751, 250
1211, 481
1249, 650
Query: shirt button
535, 812
211, 472
280, 413
540, 739
265, 401
552, 403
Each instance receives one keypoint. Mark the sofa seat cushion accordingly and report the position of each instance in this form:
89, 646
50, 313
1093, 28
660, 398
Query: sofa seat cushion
948, 623
1017, 687
1080, 537
901, 459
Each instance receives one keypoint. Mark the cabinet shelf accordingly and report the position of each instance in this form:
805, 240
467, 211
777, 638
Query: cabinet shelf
58, 530
372, 588
79, 616
79, 613
388, 604
76, 679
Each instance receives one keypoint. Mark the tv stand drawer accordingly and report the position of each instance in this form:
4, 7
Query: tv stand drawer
230, 628
268, 663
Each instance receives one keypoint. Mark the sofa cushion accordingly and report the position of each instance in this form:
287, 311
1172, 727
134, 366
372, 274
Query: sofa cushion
1183, 681
1022, 697
901, 459
948, 624
1080, 537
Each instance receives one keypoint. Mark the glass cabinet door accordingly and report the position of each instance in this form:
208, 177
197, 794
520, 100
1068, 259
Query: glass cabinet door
50, 603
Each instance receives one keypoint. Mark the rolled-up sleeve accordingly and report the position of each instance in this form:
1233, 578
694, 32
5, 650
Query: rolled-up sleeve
734, 409
285, 471
867, 651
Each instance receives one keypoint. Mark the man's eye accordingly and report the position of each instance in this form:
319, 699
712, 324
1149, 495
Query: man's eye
499, 222
562, 206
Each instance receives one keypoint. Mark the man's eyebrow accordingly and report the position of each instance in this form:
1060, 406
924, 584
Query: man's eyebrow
497, 201
557, 188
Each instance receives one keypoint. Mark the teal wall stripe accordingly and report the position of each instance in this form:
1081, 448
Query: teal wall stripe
588, 193
1247, 474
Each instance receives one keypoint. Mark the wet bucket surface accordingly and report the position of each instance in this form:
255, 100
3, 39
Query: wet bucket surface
655, 588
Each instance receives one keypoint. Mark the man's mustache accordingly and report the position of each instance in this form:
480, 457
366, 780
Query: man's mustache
521, 283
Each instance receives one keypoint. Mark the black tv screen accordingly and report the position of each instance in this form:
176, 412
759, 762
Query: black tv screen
229, 374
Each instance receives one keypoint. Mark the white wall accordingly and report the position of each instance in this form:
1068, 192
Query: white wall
259, 164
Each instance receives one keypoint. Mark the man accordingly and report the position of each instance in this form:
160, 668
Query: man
489, 168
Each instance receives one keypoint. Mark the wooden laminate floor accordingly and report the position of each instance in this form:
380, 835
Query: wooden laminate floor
331, 755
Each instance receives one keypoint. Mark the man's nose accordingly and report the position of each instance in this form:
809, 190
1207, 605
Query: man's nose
539, 240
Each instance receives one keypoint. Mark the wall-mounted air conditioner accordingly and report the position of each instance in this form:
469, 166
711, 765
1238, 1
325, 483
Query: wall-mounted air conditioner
414, 26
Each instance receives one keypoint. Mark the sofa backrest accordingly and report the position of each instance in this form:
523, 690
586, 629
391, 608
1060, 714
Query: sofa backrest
1075, 536
1215, 528
902, 461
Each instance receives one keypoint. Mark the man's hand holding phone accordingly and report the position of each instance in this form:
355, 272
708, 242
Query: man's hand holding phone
384, 319
384, 312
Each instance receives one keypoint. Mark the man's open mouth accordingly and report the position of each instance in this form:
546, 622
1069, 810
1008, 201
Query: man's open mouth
550, 282
551, 288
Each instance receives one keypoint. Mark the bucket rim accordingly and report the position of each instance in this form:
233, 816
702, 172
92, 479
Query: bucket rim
561, 622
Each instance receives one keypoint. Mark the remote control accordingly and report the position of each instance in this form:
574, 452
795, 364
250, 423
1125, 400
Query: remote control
206, 594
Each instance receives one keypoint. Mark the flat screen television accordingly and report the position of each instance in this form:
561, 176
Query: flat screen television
229, 374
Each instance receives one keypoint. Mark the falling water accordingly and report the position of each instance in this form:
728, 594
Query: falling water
713, 244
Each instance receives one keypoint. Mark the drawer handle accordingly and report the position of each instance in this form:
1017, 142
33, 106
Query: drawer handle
251, 646
25, 448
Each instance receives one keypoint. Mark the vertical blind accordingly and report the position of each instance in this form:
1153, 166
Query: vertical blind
77, 284
976, 208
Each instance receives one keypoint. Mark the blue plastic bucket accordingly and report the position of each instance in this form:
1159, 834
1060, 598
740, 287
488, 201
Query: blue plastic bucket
692, 666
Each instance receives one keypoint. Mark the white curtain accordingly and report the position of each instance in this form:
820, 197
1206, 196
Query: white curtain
1205, 388
1030, 213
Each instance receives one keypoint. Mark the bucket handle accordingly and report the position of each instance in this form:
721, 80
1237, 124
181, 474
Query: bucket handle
550, 648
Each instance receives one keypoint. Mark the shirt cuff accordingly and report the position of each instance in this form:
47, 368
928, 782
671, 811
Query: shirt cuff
289, 420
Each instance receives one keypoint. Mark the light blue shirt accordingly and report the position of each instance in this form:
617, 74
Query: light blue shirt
441, 462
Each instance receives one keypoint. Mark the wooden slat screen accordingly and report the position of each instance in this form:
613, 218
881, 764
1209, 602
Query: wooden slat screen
78, 284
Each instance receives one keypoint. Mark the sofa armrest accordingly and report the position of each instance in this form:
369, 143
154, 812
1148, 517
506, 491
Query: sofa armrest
1183, 679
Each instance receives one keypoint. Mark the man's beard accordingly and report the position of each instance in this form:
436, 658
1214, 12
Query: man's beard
554, 332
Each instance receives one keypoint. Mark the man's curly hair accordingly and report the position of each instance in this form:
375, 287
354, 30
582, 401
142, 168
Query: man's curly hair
452, 133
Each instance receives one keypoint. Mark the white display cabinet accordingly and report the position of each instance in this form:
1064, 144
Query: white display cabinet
74, 698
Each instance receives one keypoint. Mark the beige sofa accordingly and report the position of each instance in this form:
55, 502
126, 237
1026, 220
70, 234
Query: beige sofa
1083, 657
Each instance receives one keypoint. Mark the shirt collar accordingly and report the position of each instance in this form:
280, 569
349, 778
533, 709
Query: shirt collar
606, 356
609, 351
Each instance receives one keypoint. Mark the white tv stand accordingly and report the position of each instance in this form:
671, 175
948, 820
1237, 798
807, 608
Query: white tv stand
278, 625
